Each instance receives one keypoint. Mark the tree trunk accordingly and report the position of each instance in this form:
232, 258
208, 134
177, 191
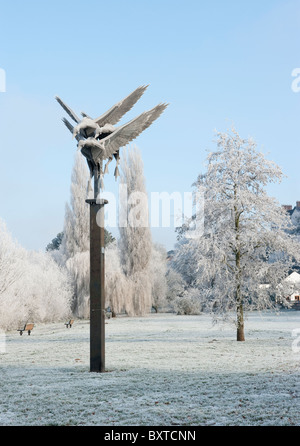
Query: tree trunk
240, 334
239, 300
240, 313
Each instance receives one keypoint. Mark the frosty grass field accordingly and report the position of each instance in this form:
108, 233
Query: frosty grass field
162, 370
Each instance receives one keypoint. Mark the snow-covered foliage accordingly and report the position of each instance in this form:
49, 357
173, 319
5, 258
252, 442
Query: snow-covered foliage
76, 226
135, 243
243, 228
74, 248
117, 286
135, 235
47, 287
32, 285
189, 302
139, 298
127, 279
184, 265
158, 272
176, 286
78, 267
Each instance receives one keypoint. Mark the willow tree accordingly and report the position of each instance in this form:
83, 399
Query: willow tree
243, 250
135, 243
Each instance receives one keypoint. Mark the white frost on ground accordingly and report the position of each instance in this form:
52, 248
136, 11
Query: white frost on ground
162, 370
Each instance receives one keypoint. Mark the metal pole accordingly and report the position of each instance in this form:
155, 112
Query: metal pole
97, 285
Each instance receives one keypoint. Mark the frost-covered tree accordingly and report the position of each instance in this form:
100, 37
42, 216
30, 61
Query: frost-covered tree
243, 228
57, 241
117, 285
184, 265
78, 267
76, 225
11, 256
176, 287
158, 274
74, 248
188, 302
71, 248
12, 270
46, 288
32, 285
135, 241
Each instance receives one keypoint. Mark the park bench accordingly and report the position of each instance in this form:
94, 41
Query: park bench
27, 327
70, 323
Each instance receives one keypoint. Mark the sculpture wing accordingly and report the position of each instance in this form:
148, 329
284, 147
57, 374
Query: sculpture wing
84, 115
128, 132
68, 124
115, 113
68, 110
71, 128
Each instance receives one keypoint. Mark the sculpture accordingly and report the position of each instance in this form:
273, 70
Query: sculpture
99, 140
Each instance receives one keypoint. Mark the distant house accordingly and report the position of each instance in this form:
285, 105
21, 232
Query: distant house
290, 209
293, 285
291, 289
294, 213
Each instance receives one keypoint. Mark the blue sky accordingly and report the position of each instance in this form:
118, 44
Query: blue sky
216, 63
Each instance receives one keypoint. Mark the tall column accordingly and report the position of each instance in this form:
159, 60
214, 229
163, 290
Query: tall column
97, 286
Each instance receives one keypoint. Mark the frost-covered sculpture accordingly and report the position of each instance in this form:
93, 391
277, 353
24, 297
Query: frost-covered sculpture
99, 140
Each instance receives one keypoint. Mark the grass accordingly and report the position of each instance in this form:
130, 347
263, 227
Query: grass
162, 370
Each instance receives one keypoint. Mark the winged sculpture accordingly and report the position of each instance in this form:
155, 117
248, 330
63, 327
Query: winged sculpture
99, 140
